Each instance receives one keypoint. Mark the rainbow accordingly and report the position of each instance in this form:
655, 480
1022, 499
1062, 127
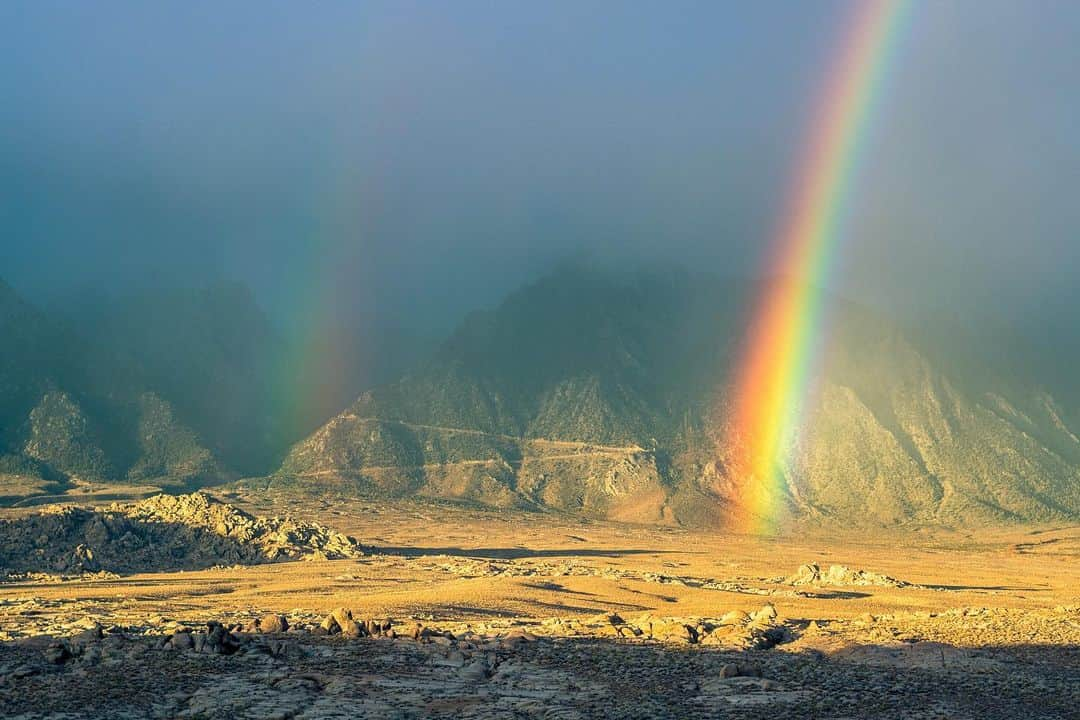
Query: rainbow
772, 377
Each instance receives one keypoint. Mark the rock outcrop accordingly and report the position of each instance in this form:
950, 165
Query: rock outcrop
841, 576
160, 533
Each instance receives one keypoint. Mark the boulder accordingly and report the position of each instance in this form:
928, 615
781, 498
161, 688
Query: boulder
182, 641
273, 623
351, 629
766, 614
378, 627
340, 615
674, 631
219, 640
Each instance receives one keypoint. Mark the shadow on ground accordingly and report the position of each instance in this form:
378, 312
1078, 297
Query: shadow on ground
563, 678
987, 587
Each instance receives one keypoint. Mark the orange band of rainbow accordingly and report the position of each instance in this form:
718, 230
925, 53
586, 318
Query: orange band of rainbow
770, 380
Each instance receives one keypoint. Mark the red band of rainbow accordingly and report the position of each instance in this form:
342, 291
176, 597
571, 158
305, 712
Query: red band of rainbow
772, 375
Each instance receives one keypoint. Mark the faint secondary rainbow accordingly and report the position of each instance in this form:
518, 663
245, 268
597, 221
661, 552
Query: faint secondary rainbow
772, 376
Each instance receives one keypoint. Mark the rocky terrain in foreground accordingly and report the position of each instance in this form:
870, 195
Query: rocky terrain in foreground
470, 614
759, 665
163, 532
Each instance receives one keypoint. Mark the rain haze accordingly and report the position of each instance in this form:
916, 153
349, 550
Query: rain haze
415, 161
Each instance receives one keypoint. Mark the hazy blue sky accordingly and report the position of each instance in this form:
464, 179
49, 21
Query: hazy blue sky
393, 157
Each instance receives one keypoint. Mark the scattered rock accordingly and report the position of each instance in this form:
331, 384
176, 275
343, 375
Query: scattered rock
341, 621
340, 615
379, 627
474, 671
219, 640
775, 636
674, 631
57, 653
89, 635
273, 623
741, 631
749, 671
731, 670
182, 641
351, 629
767, 613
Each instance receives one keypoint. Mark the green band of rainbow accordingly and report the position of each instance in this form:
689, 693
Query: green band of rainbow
771, 379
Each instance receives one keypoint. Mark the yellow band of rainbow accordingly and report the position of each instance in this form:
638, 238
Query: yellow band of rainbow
771, 377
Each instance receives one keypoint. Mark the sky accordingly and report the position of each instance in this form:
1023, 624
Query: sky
412, 161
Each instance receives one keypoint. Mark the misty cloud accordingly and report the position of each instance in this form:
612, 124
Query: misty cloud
413, 161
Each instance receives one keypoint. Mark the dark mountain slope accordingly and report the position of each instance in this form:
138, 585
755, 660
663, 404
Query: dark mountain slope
70, 408
172, 386
210, 351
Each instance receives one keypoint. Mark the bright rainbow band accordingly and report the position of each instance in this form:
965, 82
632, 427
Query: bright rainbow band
772, 376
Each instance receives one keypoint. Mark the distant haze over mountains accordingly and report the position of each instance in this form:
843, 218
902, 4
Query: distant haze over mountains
588, 391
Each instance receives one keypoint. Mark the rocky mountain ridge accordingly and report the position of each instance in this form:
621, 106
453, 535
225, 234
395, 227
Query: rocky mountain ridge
587, 392
629, 374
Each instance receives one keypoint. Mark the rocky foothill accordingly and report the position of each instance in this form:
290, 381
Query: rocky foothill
343, 665
163, 532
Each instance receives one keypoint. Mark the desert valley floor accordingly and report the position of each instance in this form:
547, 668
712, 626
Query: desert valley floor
467, 613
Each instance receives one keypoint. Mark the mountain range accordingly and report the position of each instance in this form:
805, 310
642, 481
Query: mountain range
603, 394
589, 392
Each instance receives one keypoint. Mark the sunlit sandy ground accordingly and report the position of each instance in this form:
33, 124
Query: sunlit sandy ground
989, 625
